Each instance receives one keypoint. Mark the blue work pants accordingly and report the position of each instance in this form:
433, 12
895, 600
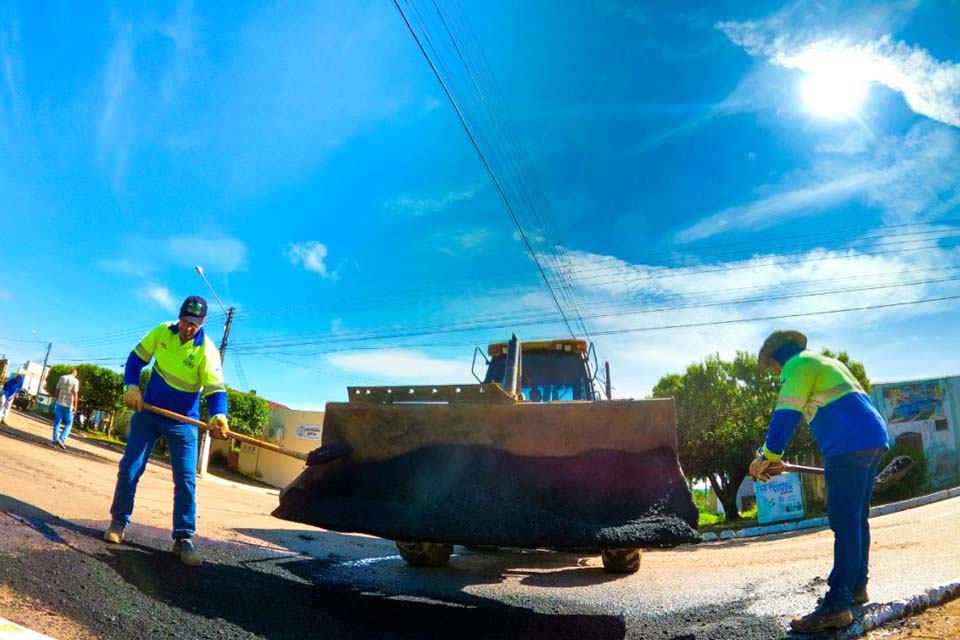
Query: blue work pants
61, 414
145, 430
850, 478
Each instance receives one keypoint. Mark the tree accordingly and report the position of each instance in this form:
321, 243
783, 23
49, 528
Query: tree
723, 409
722, 412
248, 414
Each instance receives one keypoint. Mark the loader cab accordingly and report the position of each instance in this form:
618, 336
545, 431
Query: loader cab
551, 371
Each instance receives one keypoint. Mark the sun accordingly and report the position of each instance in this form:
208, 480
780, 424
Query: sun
836, 95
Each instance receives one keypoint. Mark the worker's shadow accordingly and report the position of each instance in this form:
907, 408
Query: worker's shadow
292, 598
43, 522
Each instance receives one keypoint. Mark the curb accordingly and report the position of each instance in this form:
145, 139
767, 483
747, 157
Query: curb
12, 631
812, 523
880, 614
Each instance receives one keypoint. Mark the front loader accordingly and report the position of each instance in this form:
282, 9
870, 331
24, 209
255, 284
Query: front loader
529, 457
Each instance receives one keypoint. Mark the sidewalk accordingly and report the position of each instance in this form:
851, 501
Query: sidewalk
814, 523
12, 631
38, 430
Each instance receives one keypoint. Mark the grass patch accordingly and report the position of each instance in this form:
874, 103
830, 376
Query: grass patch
102, 437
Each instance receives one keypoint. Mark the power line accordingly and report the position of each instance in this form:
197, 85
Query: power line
435, 61
447, 328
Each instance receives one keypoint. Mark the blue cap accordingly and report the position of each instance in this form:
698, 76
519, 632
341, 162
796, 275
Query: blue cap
194, 309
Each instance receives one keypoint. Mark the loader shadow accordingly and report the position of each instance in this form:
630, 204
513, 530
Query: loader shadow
536, 567
139, 589
288, 599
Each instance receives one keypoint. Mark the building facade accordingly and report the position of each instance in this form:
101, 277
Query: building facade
293, 430
925, 413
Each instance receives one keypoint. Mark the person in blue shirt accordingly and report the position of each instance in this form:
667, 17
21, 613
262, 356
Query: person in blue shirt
852, 437
10, 390
186, 362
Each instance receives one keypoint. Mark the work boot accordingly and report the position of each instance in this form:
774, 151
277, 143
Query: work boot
860, 597
821, 619
61, 446
114, 534
187, 552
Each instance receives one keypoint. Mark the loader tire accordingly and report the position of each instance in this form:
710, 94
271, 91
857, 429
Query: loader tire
621, 560
425, 554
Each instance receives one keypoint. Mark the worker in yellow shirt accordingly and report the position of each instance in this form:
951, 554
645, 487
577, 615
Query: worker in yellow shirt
186, 363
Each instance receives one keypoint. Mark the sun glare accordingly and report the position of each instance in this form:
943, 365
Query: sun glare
833, 95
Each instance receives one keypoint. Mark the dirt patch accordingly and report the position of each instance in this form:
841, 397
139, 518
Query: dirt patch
486, 496
32, 614
935, 622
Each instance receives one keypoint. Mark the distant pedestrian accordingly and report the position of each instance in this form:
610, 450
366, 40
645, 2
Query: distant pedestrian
852, 437
10, 390
65, 407
185, 362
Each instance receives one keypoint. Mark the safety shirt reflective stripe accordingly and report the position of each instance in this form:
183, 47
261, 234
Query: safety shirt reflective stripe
182, 371
824, 392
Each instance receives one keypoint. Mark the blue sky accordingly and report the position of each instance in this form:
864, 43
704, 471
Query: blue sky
671, 179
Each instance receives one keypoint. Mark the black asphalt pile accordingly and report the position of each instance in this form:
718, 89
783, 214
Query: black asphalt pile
486, 496
896, 470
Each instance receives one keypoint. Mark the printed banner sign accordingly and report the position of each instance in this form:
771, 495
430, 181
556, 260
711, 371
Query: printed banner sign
308, 431
779, 499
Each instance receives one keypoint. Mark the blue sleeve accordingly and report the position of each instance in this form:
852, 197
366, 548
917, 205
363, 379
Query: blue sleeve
781, 429
131, 372
217, 403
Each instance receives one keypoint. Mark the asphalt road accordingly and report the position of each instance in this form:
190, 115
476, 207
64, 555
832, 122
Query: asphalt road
266, 578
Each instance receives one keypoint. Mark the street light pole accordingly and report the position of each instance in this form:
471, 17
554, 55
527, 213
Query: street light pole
203, 458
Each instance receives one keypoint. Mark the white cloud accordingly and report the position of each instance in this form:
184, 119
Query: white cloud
133, 102
908, 178
418, 206
312, 256
471, 241
116, 130
217, 254
402, 366
181, 30
929, 87
158, 295
125, 266
431, 103
635, 305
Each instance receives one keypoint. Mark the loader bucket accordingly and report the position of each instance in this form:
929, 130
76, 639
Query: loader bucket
471, 465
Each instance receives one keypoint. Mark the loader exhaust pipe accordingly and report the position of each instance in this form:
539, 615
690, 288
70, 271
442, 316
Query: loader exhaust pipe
511, 374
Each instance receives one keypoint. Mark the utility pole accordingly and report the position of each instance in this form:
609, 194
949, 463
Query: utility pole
203, 457
226, 333
43, 369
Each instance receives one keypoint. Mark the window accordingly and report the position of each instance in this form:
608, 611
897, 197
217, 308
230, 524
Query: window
942, 424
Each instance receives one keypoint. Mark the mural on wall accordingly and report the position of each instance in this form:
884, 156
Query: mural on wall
914, 402
938, 446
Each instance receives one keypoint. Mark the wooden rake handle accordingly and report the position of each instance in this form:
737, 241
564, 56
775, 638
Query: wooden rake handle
299, 455
781, 467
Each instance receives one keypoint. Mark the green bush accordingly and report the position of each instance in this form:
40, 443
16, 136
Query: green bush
915, 483
121, 424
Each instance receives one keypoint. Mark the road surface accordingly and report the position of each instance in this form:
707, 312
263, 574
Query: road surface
266, 578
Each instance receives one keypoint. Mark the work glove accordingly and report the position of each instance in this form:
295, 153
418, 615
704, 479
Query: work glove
219, 427
133, 399
759, 467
